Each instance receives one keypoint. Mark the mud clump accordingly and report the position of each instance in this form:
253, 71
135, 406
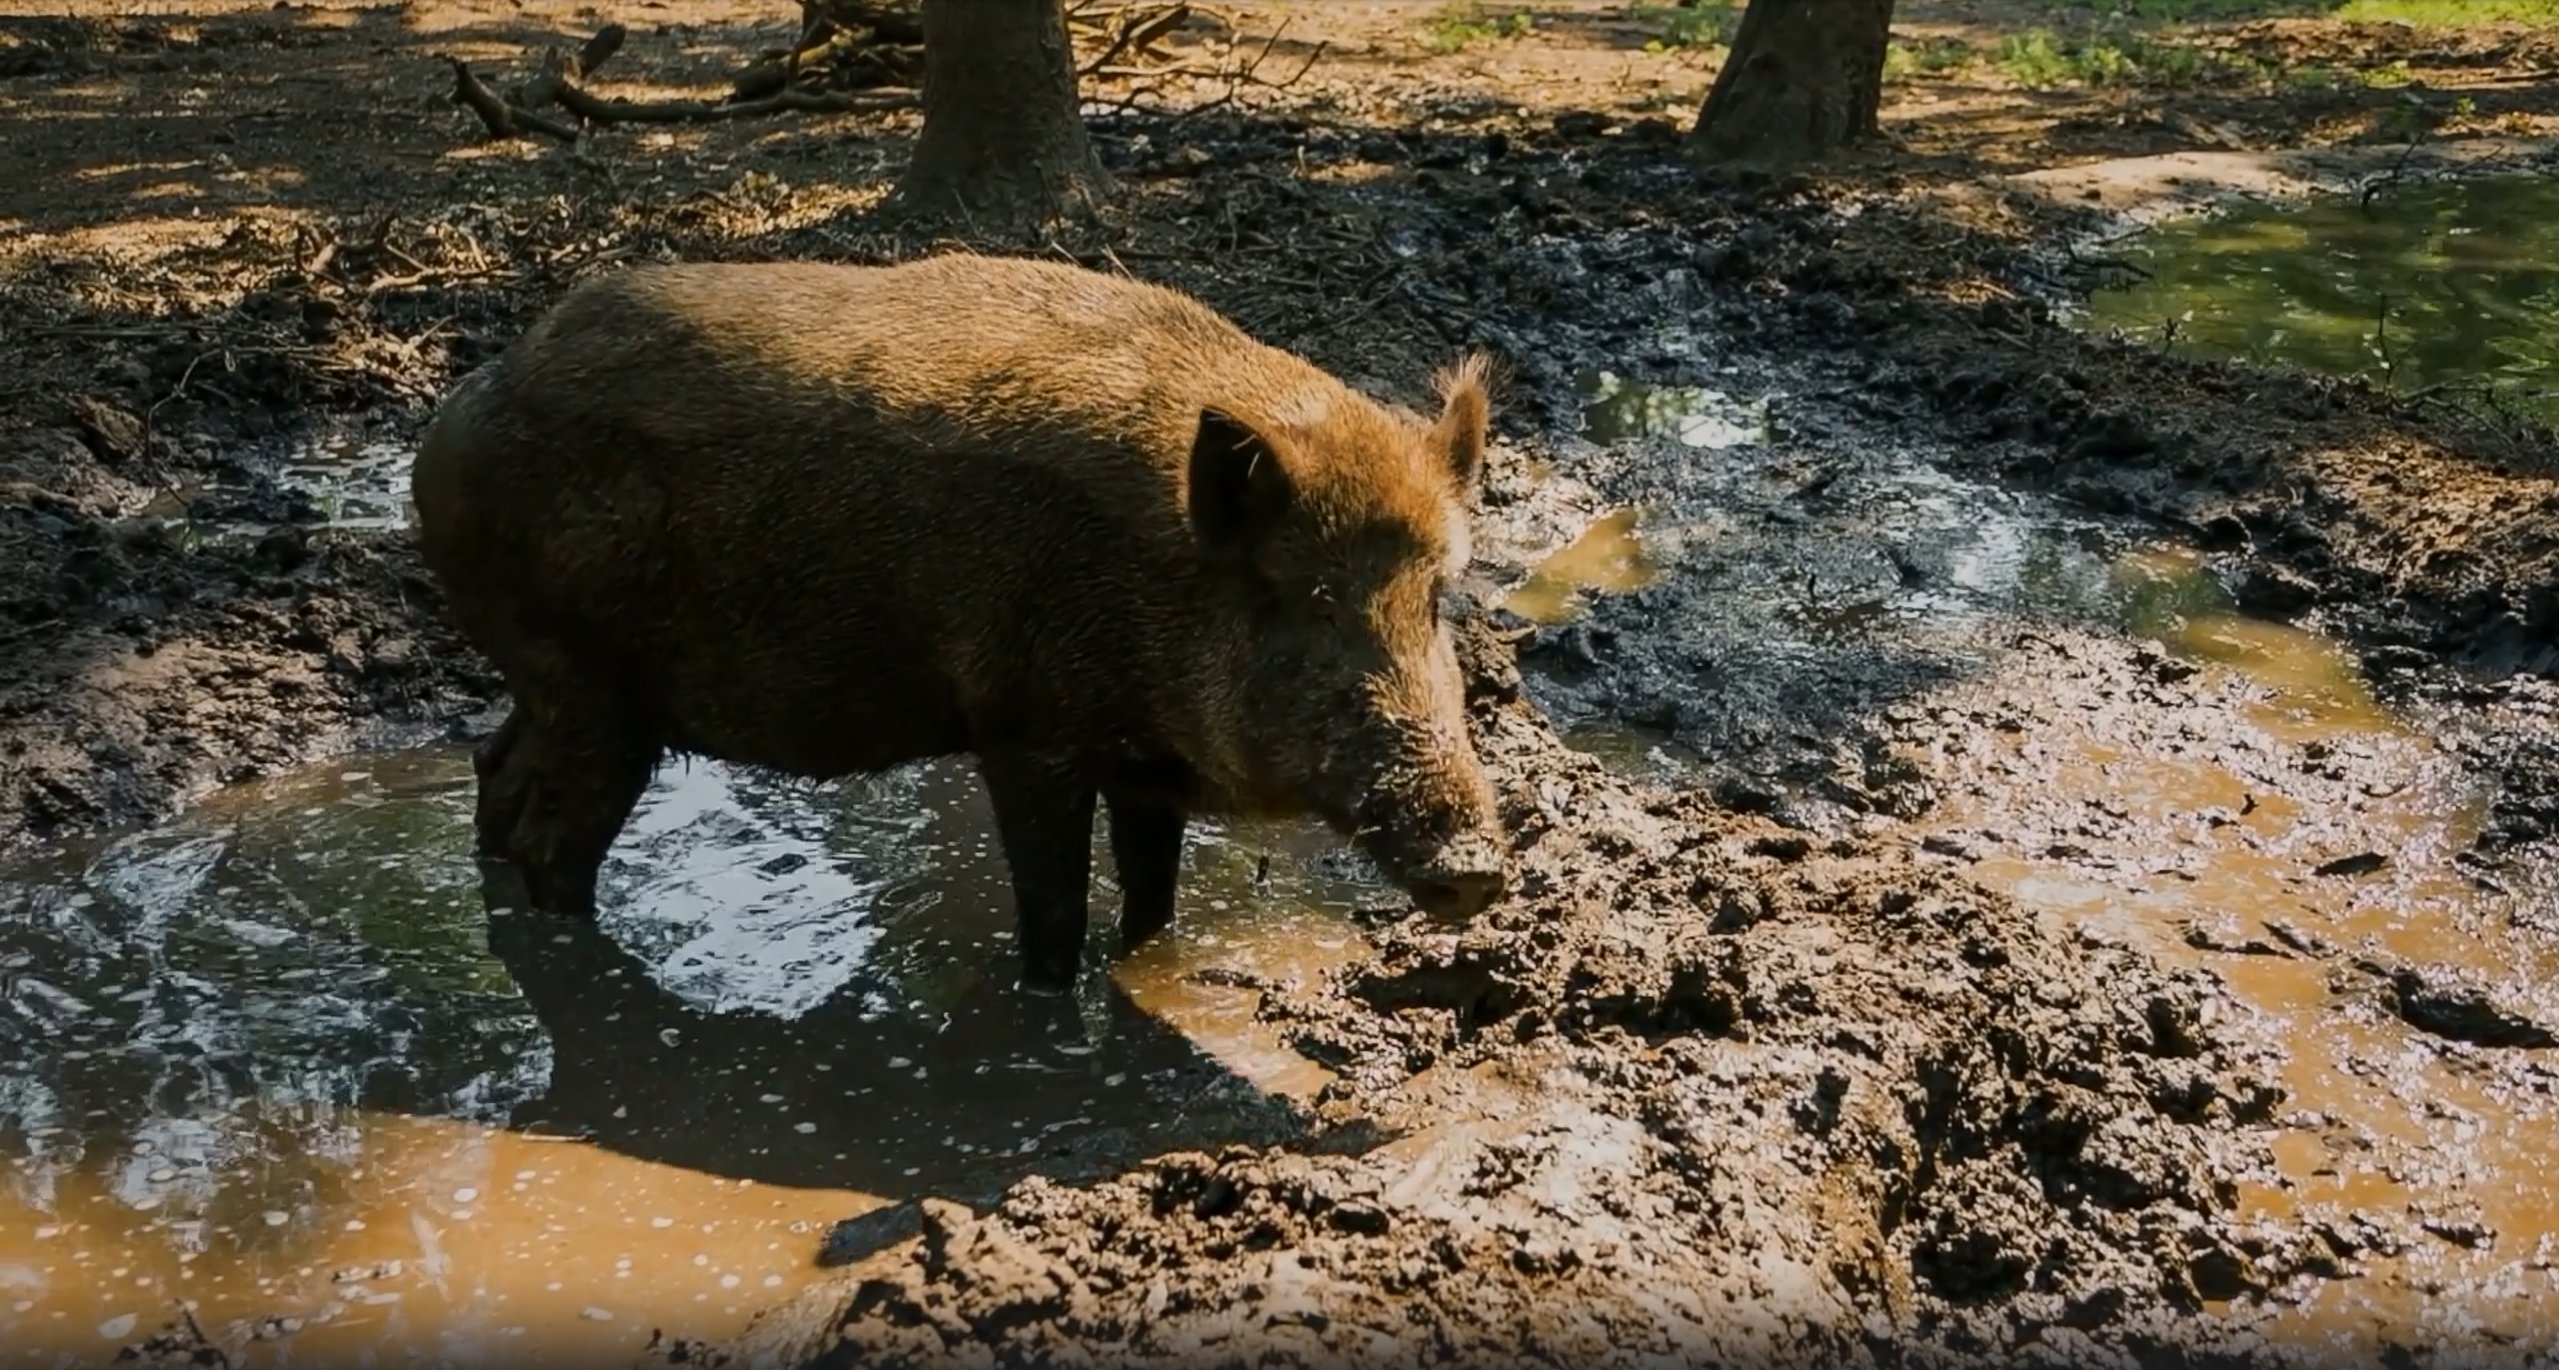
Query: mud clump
1704, 1089
147, 668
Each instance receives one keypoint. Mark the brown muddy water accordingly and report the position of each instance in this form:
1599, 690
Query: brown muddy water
2302, 896
2138, 761
274, 1059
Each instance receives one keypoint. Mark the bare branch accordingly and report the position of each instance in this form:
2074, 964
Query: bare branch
598, 109
500, 118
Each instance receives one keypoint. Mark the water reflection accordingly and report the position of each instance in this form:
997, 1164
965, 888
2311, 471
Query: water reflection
1615, 409
281, 1039
354, 483
2450, 283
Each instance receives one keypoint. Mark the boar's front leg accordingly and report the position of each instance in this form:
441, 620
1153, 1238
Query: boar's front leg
1146, 845
1044, 818
574, 761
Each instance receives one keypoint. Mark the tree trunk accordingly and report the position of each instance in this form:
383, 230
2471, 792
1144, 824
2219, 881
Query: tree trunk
1003, 142
1804, 77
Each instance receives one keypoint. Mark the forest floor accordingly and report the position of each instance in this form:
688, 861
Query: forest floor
1904, 968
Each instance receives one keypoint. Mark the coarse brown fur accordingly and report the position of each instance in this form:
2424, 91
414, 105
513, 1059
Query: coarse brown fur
829, 519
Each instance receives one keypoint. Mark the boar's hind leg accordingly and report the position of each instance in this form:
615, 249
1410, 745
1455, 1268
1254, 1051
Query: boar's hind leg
1044, 818
501, 785
1146, 846
583, 770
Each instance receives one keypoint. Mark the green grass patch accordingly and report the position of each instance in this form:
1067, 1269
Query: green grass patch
2040, 59
1907, 62
2451, 13
2429, 13
1461, 24
2389, 76
1707, 23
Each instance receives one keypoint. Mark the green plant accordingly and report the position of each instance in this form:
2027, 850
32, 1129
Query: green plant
2039, 59
1461, 24
1905, 62
2388, 77
2034, 59
1706, 23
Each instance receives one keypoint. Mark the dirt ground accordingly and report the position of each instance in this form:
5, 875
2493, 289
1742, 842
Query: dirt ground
1758, 1068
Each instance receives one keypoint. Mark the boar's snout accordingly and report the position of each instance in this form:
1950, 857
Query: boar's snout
1461, 880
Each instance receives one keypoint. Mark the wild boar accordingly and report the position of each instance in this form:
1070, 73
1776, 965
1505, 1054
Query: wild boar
828, 519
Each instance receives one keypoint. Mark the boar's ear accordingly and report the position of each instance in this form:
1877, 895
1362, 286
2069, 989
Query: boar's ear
1465, 411
1238, 484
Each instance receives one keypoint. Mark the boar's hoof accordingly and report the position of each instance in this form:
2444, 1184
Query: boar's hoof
1048, 984
502, 885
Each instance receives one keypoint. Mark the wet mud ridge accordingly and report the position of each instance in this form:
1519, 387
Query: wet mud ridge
1708, 1089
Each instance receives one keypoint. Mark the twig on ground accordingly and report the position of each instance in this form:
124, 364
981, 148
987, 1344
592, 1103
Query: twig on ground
502, 120
2387, 179
1238, 78
556, 84
557, 70
2381, 344
1129, 32
598, 109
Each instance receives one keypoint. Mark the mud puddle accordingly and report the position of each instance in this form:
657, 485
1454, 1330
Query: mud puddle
274, 1058
355, 480
2448, 287
1746, 601
2068, 706
2254, 810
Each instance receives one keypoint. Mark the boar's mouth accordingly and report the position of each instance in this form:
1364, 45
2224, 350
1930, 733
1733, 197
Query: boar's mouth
1457, 876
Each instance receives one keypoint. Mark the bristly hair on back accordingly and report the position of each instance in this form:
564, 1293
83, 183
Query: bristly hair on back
1478, 371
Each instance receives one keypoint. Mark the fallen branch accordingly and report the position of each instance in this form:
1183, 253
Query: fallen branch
1131, 32
600, 49
599, 110
781, 71
502, 120
2387, 179
1236, 76
557, 71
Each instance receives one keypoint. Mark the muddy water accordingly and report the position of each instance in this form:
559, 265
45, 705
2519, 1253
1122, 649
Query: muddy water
275, 1058
1616, 409
2074, 713
1609, 557
2452, 285
2321, 838
351, 480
